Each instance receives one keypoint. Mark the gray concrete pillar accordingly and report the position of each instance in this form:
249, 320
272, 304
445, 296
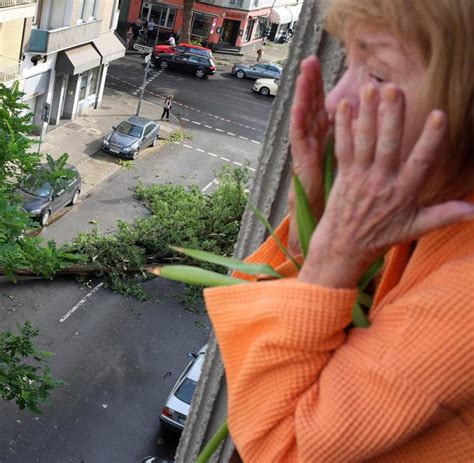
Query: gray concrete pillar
269, 194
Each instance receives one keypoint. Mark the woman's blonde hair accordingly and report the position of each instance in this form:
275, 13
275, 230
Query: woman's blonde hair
443, 31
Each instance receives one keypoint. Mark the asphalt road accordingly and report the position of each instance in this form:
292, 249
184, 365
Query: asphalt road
116, 354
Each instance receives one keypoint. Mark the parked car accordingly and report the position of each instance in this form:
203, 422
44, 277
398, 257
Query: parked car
183, 48
266, 86
200, 66
257, 71
131, 136
174, 413
41, 199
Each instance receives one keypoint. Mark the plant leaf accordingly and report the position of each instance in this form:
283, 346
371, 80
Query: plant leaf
328, 169
364, 299
304, 217
370, 274
194, 275
214, 443
264, 221
359, 318
229, 262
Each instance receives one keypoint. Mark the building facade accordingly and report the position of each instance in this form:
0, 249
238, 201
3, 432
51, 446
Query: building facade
66, 58
233, 24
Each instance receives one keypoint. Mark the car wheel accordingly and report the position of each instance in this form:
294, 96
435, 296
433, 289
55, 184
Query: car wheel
265, 91
44, 219
136, 153
163, 64
75, 198
200, 73
240, 74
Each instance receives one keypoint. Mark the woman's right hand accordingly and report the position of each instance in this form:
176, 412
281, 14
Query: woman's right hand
308, 131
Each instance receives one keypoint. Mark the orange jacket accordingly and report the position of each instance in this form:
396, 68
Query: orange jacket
303, 388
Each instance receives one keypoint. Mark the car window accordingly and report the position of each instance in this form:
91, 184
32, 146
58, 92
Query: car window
181, 49
260, 67
128, 128
35, 187
194, 59
148, 129
186, 390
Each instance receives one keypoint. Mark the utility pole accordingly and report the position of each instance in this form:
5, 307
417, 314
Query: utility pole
148, 50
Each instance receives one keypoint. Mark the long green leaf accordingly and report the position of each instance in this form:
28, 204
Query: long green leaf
328, 169
264, 221
229, 262
359, 318
304, 216
214, 443
194, 275
364, 299
370, 274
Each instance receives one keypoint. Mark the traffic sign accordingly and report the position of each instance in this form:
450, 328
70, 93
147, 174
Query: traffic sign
142, 48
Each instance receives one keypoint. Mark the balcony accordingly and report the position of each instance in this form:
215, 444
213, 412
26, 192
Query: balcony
10, 10
9, 69
51, 41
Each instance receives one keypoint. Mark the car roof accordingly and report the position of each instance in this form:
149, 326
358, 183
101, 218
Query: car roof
190, 45
138, 120
195, 371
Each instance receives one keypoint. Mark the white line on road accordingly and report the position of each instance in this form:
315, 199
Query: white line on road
256, 142
84, 299
237, 163
208, 126
231, 134
196, 122
208, 186
252, 169
225, 159
219, 130
243, 138
184, 119
200, 150
213, 155
177, 142
187, 146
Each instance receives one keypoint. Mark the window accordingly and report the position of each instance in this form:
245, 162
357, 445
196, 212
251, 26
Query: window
163, 15
248, 32
87, 10
201, 25
261, 25
236, 2
94, 81
83, 88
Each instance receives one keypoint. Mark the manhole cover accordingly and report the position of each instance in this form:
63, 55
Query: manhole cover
73, 126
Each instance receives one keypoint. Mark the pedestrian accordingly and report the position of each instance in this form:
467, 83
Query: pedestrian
259, 55
171, 41
167, 107
129, 36
303, 383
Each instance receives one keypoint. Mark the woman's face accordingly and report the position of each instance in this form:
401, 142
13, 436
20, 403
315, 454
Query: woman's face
376, 56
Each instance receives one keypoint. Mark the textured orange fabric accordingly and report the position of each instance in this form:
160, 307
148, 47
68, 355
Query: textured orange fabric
304, 388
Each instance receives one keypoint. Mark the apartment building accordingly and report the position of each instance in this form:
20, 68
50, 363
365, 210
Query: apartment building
233, 24
66, 59
15, 24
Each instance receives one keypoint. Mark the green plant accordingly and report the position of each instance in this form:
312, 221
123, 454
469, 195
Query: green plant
177, 136
126, 164
24, 374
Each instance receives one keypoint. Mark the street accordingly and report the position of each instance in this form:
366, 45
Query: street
118, 357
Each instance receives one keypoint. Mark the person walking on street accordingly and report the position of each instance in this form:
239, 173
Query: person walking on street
171, 41
167, 107
259, 55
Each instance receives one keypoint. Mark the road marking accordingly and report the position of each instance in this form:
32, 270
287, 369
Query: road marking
252, 169
225, 159
220, 130
237, 163
208, 126
196, 122
208, 185
212, 154
231, 134
184, 119
243, 138
177, 142
84, 299
187, 146
200, 150
256, 142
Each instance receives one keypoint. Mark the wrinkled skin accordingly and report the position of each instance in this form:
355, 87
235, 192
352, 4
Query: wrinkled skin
388, 141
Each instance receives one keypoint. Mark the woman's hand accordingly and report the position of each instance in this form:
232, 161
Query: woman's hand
309, 126
374, 203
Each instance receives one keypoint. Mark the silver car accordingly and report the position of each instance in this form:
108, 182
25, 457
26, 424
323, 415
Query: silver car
257, 71
130, 136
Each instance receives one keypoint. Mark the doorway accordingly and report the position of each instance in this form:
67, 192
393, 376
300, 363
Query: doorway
230, 32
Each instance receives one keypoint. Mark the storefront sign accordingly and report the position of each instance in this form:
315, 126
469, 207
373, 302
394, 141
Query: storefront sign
232, 15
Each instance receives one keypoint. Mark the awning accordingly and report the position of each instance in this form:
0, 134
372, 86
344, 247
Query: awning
295, 11
77, 60
109, 46
280, 15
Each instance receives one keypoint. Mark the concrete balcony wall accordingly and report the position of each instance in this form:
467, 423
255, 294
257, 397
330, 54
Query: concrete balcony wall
9, 69
10, 10
11, 33
50, 41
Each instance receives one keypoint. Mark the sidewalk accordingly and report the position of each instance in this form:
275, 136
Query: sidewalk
82, 138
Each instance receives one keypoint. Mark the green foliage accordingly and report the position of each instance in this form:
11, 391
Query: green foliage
177, 136
24, 374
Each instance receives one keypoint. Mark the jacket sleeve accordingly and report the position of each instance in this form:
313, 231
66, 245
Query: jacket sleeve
301, 389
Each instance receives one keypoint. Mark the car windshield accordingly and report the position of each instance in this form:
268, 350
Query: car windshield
36, 187
127, 128
186, 390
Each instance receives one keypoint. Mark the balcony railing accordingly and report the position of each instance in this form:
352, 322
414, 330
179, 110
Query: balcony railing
9, 69
50, 41
10, 3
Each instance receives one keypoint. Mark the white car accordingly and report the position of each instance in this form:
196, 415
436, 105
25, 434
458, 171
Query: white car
266, 86
174, 413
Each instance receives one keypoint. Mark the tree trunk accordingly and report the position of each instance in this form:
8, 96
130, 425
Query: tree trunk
187, 20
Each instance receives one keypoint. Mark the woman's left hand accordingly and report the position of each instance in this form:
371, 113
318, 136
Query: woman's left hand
375, 200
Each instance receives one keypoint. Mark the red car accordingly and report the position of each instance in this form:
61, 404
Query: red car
183, 48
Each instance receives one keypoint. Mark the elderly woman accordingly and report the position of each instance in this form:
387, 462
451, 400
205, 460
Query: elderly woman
303, 385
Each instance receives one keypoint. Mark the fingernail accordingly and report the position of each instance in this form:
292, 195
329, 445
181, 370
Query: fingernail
390, 94
370, 93
437, 120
